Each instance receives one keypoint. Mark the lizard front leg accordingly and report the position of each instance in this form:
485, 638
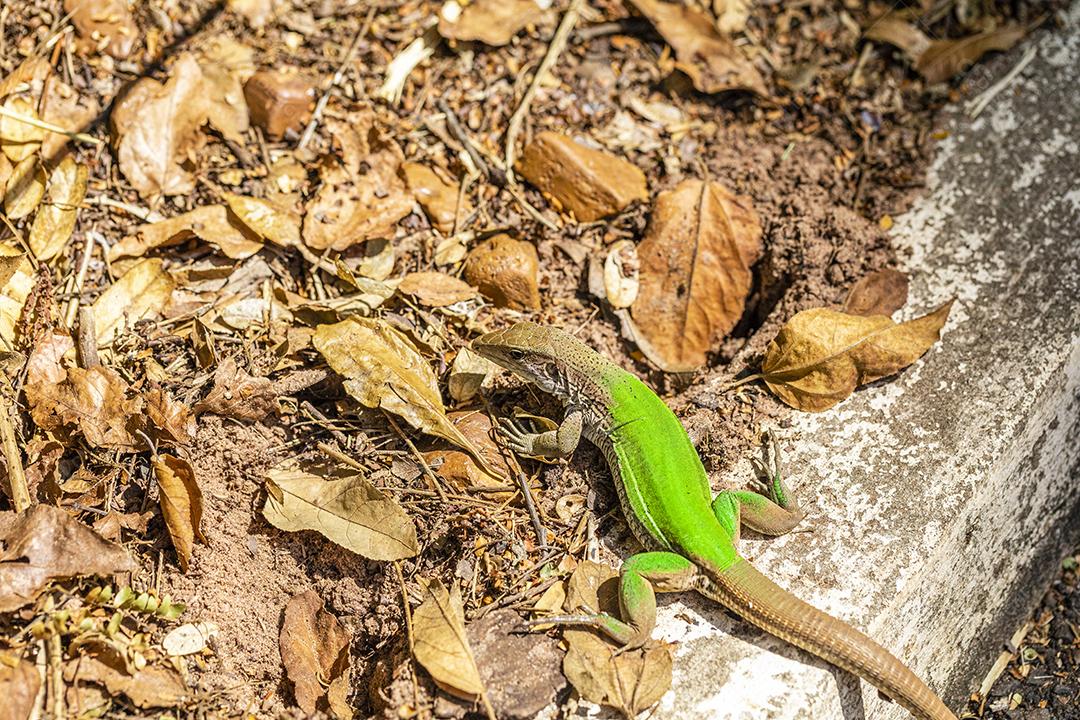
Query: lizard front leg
552, 444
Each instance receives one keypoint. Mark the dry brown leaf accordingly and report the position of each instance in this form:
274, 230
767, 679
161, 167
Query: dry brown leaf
181, 504
154, 126
436, 289
154, 686
211, 223
19, 685
45, 363
93, 401
820, 356
25, 188
440, 643
591, 184
879, 293
171, 420
439, 199
459, 469
362, 194
19, 140
695, 272
14, 291
111, 523
104, 25
383, 369
346, 509
226, 65
55, 220
629, 680
315, 652
492, 22
945, 59
43, 544
267, 219
142, 292
256, 12
709, 57
899, 33
237, 394
6, 168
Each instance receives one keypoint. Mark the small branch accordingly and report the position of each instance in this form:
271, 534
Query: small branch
530, 506
979, 103
86, 338
80, 278
494, 175
20, 493
19, 117
320, 106
420, 458
558, 42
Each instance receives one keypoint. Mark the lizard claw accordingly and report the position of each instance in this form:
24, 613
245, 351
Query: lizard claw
514, 437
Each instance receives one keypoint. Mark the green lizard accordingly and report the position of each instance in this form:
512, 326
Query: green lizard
690, 538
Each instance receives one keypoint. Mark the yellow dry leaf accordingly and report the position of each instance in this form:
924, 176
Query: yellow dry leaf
492, 22
93, 401
18, 139
55, 220
142, 292
347, 510
820, 356
14, 291
270, 221
383, 369
436, 289
181, 504
440, 644
211, 223
25, 188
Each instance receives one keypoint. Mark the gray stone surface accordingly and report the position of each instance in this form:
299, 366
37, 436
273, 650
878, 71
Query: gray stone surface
940, 501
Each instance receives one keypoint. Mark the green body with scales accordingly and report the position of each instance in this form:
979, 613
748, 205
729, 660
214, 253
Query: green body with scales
690, 538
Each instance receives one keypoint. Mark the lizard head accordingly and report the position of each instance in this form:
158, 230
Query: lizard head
533, 352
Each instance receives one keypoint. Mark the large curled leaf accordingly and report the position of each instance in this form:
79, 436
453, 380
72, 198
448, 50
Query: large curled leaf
440, 643
349, 511
695, 272
820, 356
383, 369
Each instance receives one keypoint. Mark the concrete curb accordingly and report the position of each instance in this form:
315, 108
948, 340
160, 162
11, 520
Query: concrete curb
940, 501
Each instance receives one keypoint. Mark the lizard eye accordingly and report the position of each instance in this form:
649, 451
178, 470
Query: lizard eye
517, 355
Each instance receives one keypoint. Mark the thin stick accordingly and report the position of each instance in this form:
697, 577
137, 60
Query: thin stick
20, 493
979, 103
341, 457
530, 506
558, 42
423, 463
19, 117
495, 175
80, 279
407, 612
320, 106
86, 337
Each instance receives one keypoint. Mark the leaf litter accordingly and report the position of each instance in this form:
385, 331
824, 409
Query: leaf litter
209, 301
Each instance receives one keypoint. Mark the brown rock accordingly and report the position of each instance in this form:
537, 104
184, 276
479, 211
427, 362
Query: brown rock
505, 269
589, 183
279, 100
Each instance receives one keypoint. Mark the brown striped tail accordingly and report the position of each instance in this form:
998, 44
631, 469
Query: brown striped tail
764, 603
